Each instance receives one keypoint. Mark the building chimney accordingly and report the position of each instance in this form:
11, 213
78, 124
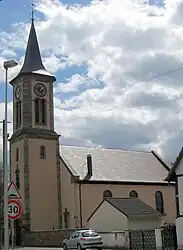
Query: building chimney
89, 165
89, 168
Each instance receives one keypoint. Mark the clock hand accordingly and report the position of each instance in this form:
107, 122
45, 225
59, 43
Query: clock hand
41, 89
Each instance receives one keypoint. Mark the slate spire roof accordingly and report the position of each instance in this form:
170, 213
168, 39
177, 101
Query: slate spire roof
33, 62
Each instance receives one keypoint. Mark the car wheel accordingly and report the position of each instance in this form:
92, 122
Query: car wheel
99, 248
79, 247
64, 247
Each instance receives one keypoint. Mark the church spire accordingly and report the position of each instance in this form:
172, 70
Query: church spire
33, 62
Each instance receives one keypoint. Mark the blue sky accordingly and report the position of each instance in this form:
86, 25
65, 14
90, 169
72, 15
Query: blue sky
109, 47
19, 11
159, 3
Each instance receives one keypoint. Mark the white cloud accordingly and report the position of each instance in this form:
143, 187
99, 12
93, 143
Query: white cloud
74, 83
122, 43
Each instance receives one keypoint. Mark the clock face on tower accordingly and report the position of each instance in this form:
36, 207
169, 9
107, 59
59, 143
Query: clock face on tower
18, 92
40, 89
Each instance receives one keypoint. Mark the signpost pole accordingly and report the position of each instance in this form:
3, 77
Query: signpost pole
15, 208
12, 234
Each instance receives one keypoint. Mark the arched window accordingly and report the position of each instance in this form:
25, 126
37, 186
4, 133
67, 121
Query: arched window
18, 112
133, 194
42, 152
159, 201
107, 193
40, 111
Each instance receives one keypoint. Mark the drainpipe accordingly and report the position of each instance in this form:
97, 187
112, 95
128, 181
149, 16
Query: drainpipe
80, 207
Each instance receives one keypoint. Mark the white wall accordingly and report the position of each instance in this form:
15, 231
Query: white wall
115, 239
108, 219
179, 169
179, 226
180, 193
144, 223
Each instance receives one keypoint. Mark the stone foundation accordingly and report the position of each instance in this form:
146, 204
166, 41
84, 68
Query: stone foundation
46, 238
112, 240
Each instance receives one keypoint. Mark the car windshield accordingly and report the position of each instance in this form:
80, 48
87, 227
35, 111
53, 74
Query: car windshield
89, 234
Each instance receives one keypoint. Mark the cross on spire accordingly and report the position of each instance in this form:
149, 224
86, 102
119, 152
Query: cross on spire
32, 11
33, 61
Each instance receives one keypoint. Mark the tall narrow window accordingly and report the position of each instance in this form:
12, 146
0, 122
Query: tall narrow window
40, 111
159, 202
37, 108
18, 113
107, 193
42, 152
43, 111
133, 194
17, 173
17, 154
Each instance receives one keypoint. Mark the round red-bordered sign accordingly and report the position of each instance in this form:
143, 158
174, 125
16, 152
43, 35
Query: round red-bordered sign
14, 209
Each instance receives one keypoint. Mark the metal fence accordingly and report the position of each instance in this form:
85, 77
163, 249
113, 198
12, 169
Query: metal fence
169, 238
142, 240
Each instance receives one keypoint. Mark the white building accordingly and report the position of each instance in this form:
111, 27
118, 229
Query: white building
120, 214
176, 174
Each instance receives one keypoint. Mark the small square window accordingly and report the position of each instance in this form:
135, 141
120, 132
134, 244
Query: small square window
42, 152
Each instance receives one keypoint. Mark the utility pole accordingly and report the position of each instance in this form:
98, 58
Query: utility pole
3, 147
7, 65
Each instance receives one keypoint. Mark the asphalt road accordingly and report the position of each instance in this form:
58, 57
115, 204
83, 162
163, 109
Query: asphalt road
36, 248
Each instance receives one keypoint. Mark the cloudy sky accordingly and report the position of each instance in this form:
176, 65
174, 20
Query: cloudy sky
119, 69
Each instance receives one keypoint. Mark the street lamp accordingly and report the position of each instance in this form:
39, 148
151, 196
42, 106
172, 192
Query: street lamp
7, 65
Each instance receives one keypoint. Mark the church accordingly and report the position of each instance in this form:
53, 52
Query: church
62, 185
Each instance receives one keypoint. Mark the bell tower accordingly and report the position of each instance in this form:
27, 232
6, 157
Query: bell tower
34, 145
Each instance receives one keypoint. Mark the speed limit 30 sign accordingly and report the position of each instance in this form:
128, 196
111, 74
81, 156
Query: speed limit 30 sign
14, 209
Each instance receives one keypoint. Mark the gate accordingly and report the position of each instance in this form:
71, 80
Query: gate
169, 238
142, 240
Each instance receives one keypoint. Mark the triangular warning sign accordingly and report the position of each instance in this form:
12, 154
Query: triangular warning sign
13, 192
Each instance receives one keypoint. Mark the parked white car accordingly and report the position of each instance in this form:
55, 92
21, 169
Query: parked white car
82, 239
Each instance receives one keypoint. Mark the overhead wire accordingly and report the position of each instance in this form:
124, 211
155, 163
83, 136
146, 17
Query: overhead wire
140, 82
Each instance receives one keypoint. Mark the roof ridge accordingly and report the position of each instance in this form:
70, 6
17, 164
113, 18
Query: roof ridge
109, 149
123, 198
161, 160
